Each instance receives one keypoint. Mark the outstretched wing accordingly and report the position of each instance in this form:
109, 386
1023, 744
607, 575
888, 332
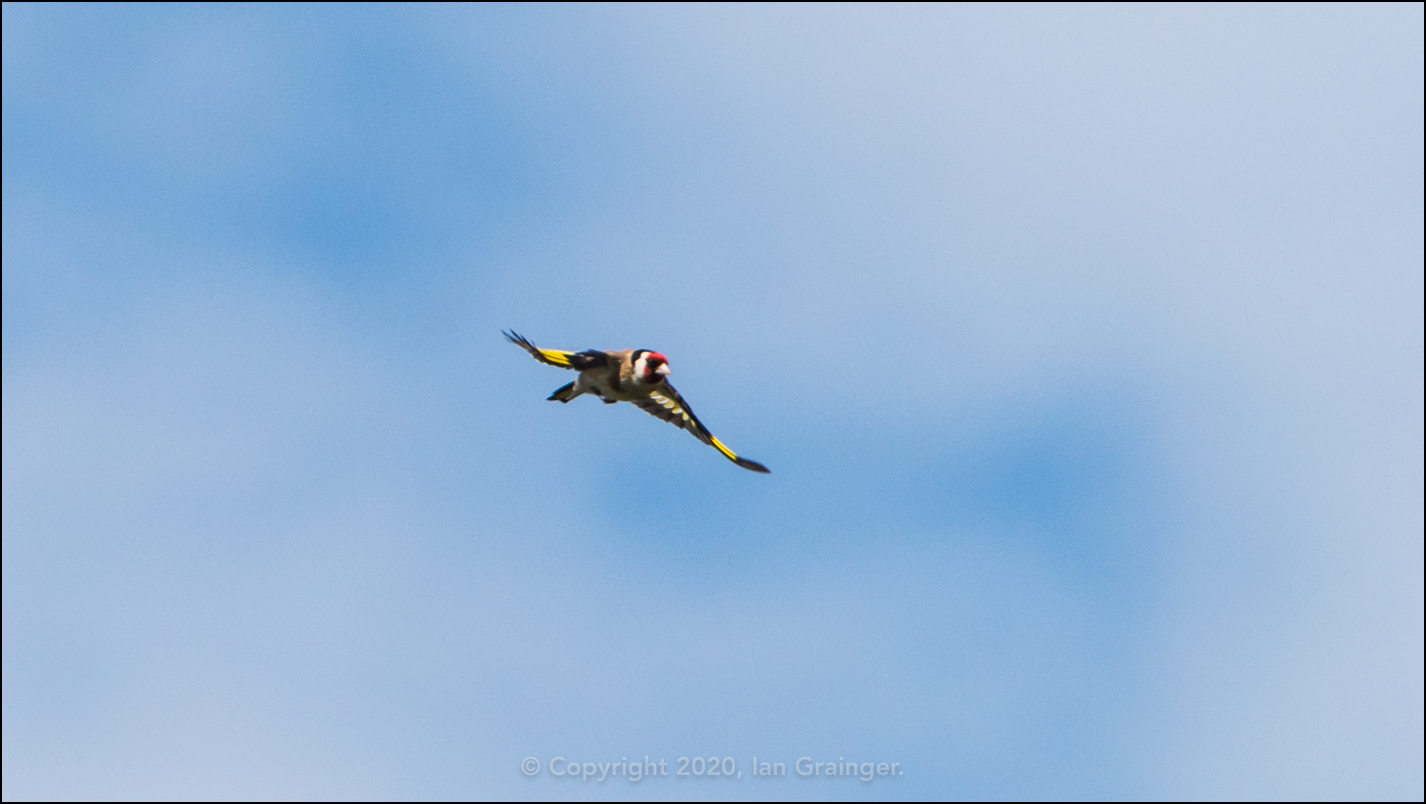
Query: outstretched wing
666, 404
551, 357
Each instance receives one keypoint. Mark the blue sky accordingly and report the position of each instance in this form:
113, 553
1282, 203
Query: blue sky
1084, 344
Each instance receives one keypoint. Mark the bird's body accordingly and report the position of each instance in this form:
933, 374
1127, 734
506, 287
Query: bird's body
611, 376
638, 376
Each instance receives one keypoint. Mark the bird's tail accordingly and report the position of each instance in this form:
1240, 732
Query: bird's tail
564, 394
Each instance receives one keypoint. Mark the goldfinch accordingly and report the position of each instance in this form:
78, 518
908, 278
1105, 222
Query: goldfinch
632, 375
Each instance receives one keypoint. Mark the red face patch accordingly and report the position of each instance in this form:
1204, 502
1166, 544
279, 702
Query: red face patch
652, 361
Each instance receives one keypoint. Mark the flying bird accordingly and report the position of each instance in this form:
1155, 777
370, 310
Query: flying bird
632, 375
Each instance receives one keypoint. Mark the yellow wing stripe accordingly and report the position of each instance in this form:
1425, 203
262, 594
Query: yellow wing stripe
671, 403
553, 357
727, 453
558, 358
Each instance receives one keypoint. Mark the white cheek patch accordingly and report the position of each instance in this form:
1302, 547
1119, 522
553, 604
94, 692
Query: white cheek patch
644, 376
642, 373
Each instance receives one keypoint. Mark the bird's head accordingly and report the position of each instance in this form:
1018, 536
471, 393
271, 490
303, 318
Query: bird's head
650, 367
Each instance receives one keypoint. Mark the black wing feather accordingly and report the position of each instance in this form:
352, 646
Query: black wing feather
588, 359
667, 404
679, 415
